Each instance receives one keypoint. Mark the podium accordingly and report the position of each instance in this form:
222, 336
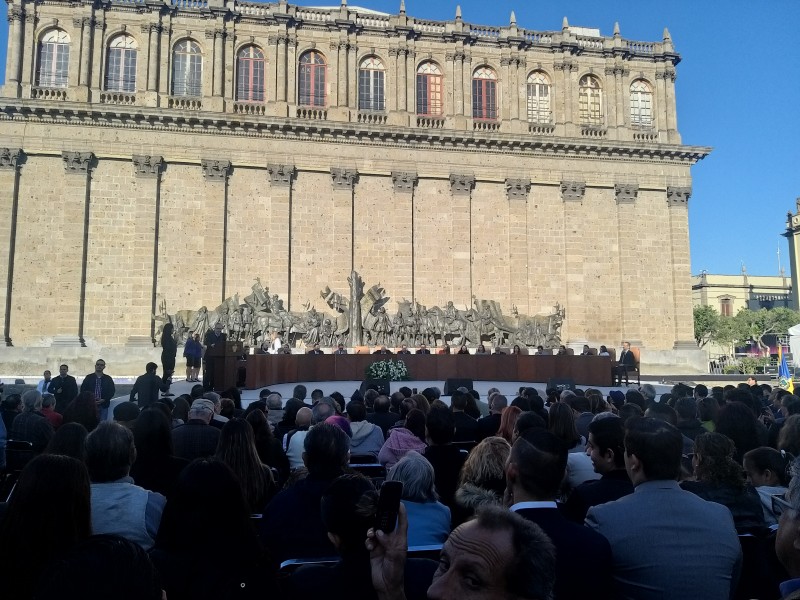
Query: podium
222, 364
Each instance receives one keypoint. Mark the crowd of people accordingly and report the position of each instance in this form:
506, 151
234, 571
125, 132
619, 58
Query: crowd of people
550, 494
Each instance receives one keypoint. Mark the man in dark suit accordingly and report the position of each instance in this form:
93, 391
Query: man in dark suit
404, 350
626, 362
64, 388
423, 349
534, 473
382, 350
147, 386
488, 425
340, 349
381, 415
213, 340
101, 386
466, 426
606, 448
315, 350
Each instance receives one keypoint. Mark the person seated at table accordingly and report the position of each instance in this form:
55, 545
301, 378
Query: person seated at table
315, 350
382, 350
516, 349
539, 351
481, 349
603, 351
586, 351
562, 351
463, 350
404, 350
444, 350
423, 349
498, 350
340, 349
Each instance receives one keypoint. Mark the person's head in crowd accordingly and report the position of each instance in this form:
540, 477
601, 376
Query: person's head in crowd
508, 421
83, 410
536, 466
438, 404
648, 392
102, 566
440, 426
406, 406
713, 461
422, 403
264, 393
666, 399
766, 390
578, 404
381, 404
321, 411
617, 399
342, 423
565, 395
528, 420
406, 391
299, 392
738, 422
110, 452
339, 399
326, 451
164, 407
48, 401
458, 401
201, 410
227, 408
233, 393
497, 403
680, 390
304, 418
472, 408
707, 409
47, 514
316, 395
432, 393
293, 405
652, 450
213, 397
562, 424
69, 440
606, 444
790, 405
126, 413
415, 423
686, 408
787, 539
152, 435
181, 409
348, 508
197, 391
635, 397
789, 436
663, 412
237, 449
371, 397
767, 466
12, 403
700, 392
498, 555
274, 401
417, 476
485, 465
261, 429
356, 412
523, 403
628, 411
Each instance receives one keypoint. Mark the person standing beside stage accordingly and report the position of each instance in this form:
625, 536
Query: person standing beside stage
215, 338
193, 351
101, 386
64, 388
169, 349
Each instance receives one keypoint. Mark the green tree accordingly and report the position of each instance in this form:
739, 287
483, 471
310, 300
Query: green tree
706, 324
755, 324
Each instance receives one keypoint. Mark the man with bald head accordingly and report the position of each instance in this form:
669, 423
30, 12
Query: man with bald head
293, 441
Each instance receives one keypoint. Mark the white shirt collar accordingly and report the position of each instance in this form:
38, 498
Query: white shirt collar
539, 504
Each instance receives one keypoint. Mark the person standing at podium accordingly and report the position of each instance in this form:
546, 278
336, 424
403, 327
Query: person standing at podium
214, 340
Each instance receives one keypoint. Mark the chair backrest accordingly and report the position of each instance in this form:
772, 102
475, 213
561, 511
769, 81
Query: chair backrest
637, 354
570, 352
372, 470
468, 446
363, 459
361, 350
592, 351
432, 551
292, 564
18, 453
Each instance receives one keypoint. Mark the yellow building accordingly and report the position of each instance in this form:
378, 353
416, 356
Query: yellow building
730, 293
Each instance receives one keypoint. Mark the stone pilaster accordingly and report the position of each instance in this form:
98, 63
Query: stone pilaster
572, 196
93, 81
517, 191
148, 170
16, 27
215, 227
630, 306
573, 191
678, 201
280, 230
461, 187
626, 193
401, 234
343, 182
10, 162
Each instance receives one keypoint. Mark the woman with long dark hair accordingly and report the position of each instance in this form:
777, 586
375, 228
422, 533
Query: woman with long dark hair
83, 410
237, 449
268, 447
156, 467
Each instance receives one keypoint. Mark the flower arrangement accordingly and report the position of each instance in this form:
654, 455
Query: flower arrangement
393, 370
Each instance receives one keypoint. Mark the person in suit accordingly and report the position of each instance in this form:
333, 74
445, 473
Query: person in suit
404, 350
423, 349
466, 428
534, 473
315, 350
101, 386
340, 349
64, 388
490, 424
688, 529
214, 338
382, 350
626, 362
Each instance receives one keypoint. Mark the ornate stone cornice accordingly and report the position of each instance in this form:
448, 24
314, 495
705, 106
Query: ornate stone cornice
573, 191
518, 189
15, 14
77, 162
9, 158
148, 167
343, 179
215, 170
461, 185
31, 18
626, 192
281, 175
404, 181
678, 196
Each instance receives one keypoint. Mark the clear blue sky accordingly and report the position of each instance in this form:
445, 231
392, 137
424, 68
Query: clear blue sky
738, 90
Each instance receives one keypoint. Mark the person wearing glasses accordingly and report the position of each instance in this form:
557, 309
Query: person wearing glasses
101, 386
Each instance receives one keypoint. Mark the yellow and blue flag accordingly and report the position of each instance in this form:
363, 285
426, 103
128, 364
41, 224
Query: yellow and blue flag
784, 375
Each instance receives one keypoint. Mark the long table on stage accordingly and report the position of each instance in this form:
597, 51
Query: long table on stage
270, 369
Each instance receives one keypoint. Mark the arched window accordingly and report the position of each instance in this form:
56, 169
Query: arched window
312, 79
484, 94
250, 75
590, 101
371, 84
429, 89
539, 98
54, 59
641, 104
187, 69
121, 64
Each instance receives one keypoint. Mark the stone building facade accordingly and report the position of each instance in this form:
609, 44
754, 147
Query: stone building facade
175, 151
730, 293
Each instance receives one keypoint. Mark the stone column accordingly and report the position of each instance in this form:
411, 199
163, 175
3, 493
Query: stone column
392, 87
404, 260
148, 171
504, 88
352, 76
28, 54
672, 115
632, 313
77, 194
13, 64
339, 74
342, 263
280, 230
661, 104
678, 201
461, 186
219, 38
86, 51
282, 75
164, 38
77, 51
513, 90
572, 194
517, 191
466, 81
10, 162
98, 27
291, 69
402, 84
215, 228
411, 81
153, 30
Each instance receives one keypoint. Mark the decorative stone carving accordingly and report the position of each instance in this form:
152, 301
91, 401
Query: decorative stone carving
404, 181
461, 185
215, 170
15, 14
9, 158
678, 196
77, 162
626, 192
518, 189
281, 175
343, 179
572, 191
147, 166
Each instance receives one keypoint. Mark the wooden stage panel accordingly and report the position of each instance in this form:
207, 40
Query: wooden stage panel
269, 369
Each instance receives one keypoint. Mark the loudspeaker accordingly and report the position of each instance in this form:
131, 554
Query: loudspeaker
452, 384
382, 385
561, 383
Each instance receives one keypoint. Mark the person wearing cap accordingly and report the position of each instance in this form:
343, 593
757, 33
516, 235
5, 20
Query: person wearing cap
196, 438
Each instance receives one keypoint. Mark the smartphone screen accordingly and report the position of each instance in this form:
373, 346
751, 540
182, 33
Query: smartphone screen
388, 505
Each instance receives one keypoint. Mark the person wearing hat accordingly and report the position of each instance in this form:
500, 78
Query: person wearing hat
196, 438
